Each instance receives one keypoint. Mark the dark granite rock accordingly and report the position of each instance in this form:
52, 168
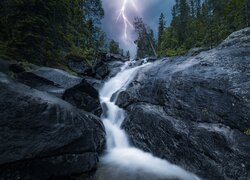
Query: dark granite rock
193, 111
105, 69
116, 57
16, 68
102, 71
239, 38
54, 81
44, 137
72, 89
196, 51
38, 82
78, 64
4, 66
58, 76
84, 96
212, 151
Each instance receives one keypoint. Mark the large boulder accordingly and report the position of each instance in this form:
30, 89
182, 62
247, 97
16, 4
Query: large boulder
114, 67
116, 57
100, 68
40, 83
17, 68
51, 80
43, 136
84, 96
104, 69
194, 111
78, 64
72, 89
58, 76
237, 39
4, 66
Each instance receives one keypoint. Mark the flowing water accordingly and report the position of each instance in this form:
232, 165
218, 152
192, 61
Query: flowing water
123, 161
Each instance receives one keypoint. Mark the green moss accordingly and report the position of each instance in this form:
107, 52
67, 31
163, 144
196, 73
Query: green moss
12, 75
247, 132
65, 68
26, 65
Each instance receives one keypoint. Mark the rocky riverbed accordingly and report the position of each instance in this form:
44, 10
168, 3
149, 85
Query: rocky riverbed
192, 111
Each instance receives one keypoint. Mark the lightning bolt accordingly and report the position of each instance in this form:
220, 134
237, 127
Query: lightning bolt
123, 16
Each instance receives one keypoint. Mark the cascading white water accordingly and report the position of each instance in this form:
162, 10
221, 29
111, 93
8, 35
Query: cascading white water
119, 151
113, 118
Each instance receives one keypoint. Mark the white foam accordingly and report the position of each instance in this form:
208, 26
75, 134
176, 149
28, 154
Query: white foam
137, 160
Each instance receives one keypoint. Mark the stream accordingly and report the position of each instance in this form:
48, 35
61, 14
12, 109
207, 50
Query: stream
123, 161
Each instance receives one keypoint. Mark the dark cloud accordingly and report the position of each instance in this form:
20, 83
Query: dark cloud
149, 10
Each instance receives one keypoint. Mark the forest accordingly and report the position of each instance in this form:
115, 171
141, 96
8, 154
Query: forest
198, 23
46, 32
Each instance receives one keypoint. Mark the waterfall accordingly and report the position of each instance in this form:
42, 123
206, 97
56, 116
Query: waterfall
114, 116
119, 151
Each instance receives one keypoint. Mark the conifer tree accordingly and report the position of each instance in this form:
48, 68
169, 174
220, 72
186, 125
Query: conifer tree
160, 30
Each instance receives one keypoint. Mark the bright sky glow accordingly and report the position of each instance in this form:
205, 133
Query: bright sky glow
120, 14
123, 16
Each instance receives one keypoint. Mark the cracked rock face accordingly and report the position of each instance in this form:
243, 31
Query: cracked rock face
193, 111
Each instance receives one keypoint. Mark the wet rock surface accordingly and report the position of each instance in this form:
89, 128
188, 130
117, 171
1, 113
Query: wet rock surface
84, 96
100, 68
16, 68
40, 83
193, 111
58, 76
115, 57
237, 39
53, 81
78, 64
43, 136
4, 66
75, 90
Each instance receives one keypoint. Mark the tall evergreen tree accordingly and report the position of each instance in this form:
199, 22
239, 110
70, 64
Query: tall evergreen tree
161, 30
128, 54
114, 47
145, 41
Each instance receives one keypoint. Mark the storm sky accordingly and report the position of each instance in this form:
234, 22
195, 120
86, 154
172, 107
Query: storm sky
149, 10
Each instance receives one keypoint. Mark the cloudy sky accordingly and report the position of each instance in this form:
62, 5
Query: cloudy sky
149, 10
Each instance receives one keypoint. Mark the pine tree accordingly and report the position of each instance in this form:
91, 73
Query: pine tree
161, 30
145, 41
246, 12
114, 47
128, 54
192, 7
